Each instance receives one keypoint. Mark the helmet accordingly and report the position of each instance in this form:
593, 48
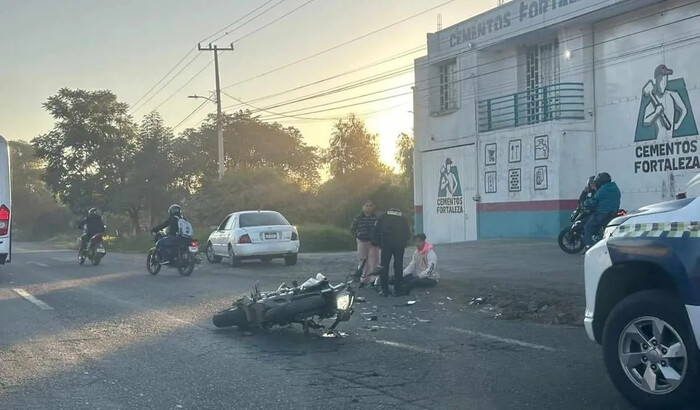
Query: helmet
174, 209
590, 180
603, 178
92, 211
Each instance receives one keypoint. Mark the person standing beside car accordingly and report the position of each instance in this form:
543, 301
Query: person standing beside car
363, 230
392, 233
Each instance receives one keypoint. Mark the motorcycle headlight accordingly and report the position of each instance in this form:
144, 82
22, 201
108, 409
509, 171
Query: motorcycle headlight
343, 301
610, 231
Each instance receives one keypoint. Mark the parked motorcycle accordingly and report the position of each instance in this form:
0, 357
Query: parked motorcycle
315, 298
94, 252
183, 257
571, 238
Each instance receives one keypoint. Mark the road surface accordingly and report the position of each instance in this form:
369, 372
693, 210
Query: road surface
114, 337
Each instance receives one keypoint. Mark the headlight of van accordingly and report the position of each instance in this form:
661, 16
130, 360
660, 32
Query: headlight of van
342, 303
610, 231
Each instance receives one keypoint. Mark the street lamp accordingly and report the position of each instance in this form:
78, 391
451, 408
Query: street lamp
219, 129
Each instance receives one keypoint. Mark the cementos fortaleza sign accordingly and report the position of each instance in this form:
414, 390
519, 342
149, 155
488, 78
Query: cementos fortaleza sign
518, 16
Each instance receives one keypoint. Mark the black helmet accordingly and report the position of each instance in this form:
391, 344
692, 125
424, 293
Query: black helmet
92, 211
590, 180
603, 178
174, 209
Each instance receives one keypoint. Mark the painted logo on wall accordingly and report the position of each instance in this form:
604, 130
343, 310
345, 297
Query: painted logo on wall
665, 107
449, 199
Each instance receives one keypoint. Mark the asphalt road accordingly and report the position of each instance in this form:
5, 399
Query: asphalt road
114, 337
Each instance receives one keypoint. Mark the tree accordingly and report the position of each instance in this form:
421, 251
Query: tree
150, 181
36, 213
248, 143
89, 149
404, 156
352, 148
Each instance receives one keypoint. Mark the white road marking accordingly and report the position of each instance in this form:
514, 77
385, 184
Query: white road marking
43, 265
40, 250
501, 339
32, 299
412, 348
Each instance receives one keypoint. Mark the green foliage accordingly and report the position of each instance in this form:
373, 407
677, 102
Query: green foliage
404, 155
352, 148
325, 238
36, 215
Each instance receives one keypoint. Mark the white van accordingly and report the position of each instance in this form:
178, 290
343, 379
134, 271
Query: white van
5, 203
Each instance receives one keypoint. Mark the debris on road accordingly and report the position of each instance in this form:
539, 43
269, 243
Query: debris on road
423, 320
360, 299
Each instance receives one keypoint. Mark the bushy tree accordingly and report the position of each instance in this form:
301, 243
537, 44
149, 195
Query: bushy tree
352, 147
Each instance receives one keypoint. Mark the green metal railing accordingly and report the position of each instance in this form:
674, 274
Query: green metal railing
562, 101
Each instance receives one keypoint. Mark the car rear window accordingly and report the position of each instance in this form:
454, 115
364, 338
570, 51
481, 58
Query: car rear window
262, 219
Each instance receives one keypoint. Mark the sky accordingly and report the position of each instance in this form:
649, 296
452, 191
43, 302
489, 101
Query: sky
128, 46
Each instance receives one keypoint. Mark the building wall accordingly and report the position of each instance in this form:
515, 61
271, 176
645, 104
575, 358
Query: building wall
629, 49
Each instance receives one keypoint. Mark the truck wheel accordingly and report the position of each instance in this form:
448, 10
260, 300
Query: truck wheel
650, 352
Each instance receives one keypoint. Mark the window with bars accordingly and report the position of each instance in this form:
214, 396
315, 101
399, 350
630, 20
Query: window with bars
448, 87
542, 76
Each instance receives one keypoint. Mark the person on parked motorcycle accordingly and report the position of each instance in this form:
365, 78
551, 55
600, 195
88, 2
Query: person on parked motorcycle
170, 241
587, 192
605, 203
92, 224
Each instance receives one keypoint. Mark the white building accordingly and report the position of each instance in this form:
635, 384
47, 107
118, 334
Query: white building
517, 107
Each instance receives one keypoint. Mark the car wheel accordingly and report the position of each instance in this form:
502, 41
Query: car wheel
290, 260
650, 351
211, 257
234, 261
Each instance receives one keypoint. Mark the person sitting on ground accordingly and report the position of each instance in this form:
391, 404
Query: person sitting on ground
422, 272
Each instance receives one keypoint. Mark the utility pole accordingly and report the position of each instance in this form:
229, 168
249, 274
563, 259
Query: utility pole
219, 118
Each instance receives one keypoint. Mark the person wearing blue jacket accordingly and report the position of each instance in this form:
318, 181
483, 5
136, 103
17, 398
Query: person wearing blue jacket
604, 203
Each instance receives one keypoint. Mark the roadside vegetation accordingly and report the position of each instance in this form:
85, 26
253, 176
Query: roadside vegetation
97, 155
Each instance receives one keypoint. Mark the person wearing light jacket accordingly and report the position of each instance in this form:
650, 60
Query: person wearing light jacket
422, 272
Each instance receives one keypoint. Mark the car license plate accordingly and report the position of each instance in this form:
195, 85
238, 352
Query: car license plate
270, 235
194, 249
101, 250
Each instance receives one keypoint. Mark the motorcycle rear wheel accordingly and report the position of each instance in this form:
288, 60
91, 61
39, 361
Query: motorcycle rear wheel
567, 245
287, 312
231, 317
185, 263
96, 259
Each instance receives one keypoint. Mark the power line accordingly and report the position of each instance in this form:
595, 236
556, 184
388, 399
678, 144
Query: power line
273, 21
190, 114
235, 22
340, 45
184, 85
134, 110
269, 112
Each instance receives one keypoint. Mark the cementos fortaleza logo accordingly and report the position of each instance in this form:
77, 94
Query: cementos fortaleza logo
449, 199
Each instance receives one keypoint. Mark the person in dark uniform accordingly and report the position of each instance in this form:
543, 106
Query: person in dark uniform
92, 224
392, 233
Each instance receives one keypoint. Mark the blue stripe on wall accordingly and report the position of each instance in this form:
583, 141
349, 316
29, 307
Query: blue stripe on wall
522, 224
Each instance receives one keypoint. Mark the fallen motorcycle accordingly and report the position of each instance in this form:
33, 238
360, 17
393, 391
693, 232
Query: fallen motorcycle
183, 257
315, 298
571, 238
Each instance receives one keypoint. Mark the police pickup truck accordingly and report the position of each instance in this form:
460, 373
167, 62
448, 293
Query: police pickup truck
643, 302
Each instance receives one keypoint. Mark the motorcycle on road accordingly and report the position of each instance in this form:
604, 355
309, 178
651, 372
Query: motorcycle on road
94, 252
184, 257
571, 238
315, 298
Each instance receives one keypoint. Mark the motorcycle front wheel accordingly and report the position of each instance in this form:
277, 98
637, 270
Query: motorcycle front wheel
152, 262
81, 259
570, 242
185, 262
231, 317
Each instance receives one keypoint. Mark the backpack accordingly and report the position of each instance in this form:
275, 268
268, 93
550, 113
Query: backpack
184, 228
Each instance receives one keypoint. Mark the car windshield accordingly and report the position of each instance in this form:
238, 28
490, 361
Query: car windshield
262, 219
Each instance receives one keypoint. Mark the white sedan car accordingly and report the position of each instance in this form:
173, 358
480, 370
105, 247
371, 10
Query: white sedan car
263, 235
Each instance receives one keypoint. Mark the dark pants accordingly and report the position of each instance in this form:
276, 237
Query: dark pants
165, 247
411, 282
388, 253
593, 226
85, 239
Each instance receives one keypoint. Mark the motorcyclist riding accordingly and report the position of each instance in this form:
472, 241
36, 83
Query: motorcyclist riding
169, 242
605, 202
92, 224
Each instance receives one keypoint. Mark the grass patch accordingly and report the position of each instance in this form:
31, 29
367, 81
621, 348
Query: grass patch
325, 238
140, 243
